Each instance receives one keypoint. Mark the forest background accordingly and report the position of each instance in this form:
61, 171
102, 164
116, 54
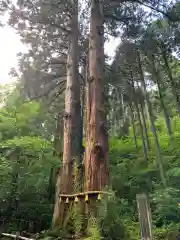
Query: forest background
142, 104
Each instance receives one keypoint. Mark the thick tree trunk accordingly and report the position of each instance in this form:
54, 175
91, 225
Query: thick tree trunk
71, 151
153, 127
96, 154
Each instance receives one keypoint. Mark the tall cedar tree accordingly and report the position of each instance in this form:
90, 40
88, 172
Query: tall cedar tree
71, 151
96, 153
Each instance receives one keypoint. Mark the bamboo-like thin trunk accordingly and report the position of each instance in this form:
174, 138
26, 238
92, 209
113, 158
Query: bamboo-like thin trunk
96, 154
153, 127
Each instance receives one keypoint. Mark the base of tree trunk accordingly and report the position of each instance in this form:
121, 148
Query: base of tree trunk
93, 219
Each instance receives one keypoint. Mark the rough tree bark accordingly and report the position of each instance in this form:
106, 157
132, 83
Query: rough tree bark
72, 118
96, 153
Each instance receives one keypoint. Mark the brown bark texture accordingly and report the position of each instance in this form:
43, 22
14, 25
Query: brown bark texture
96, 153
72, 118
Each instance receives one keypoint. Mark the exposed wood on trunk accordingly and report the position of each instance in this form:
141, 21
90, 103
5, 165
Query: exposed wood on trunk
96, 154
71, 150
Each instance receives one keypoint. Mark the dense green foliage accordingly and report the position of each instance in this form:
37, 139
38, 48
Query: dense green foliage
142, 104
25, 170
26, 162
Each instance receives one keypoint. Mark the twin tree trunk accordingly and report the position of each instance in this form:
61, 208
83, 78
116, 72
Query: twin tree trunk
72, 119
96, 152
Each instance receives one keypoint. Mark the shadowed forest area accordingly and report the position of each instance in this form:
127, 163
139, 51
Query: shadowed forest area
81, 135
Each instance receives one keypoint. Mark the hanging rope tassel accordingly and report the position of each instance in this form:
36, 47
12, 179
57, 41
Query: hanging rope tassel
99, 197
86, 198
76, 200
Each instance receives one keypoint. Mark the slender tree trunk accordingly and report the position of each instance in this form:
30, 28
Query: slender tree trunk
71, 152
80, 164
133, 126
123, 108
157, 76
142, 110
139, 119
172, 82
96, 154
153, 127
82, 113
145, 127
57, 149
